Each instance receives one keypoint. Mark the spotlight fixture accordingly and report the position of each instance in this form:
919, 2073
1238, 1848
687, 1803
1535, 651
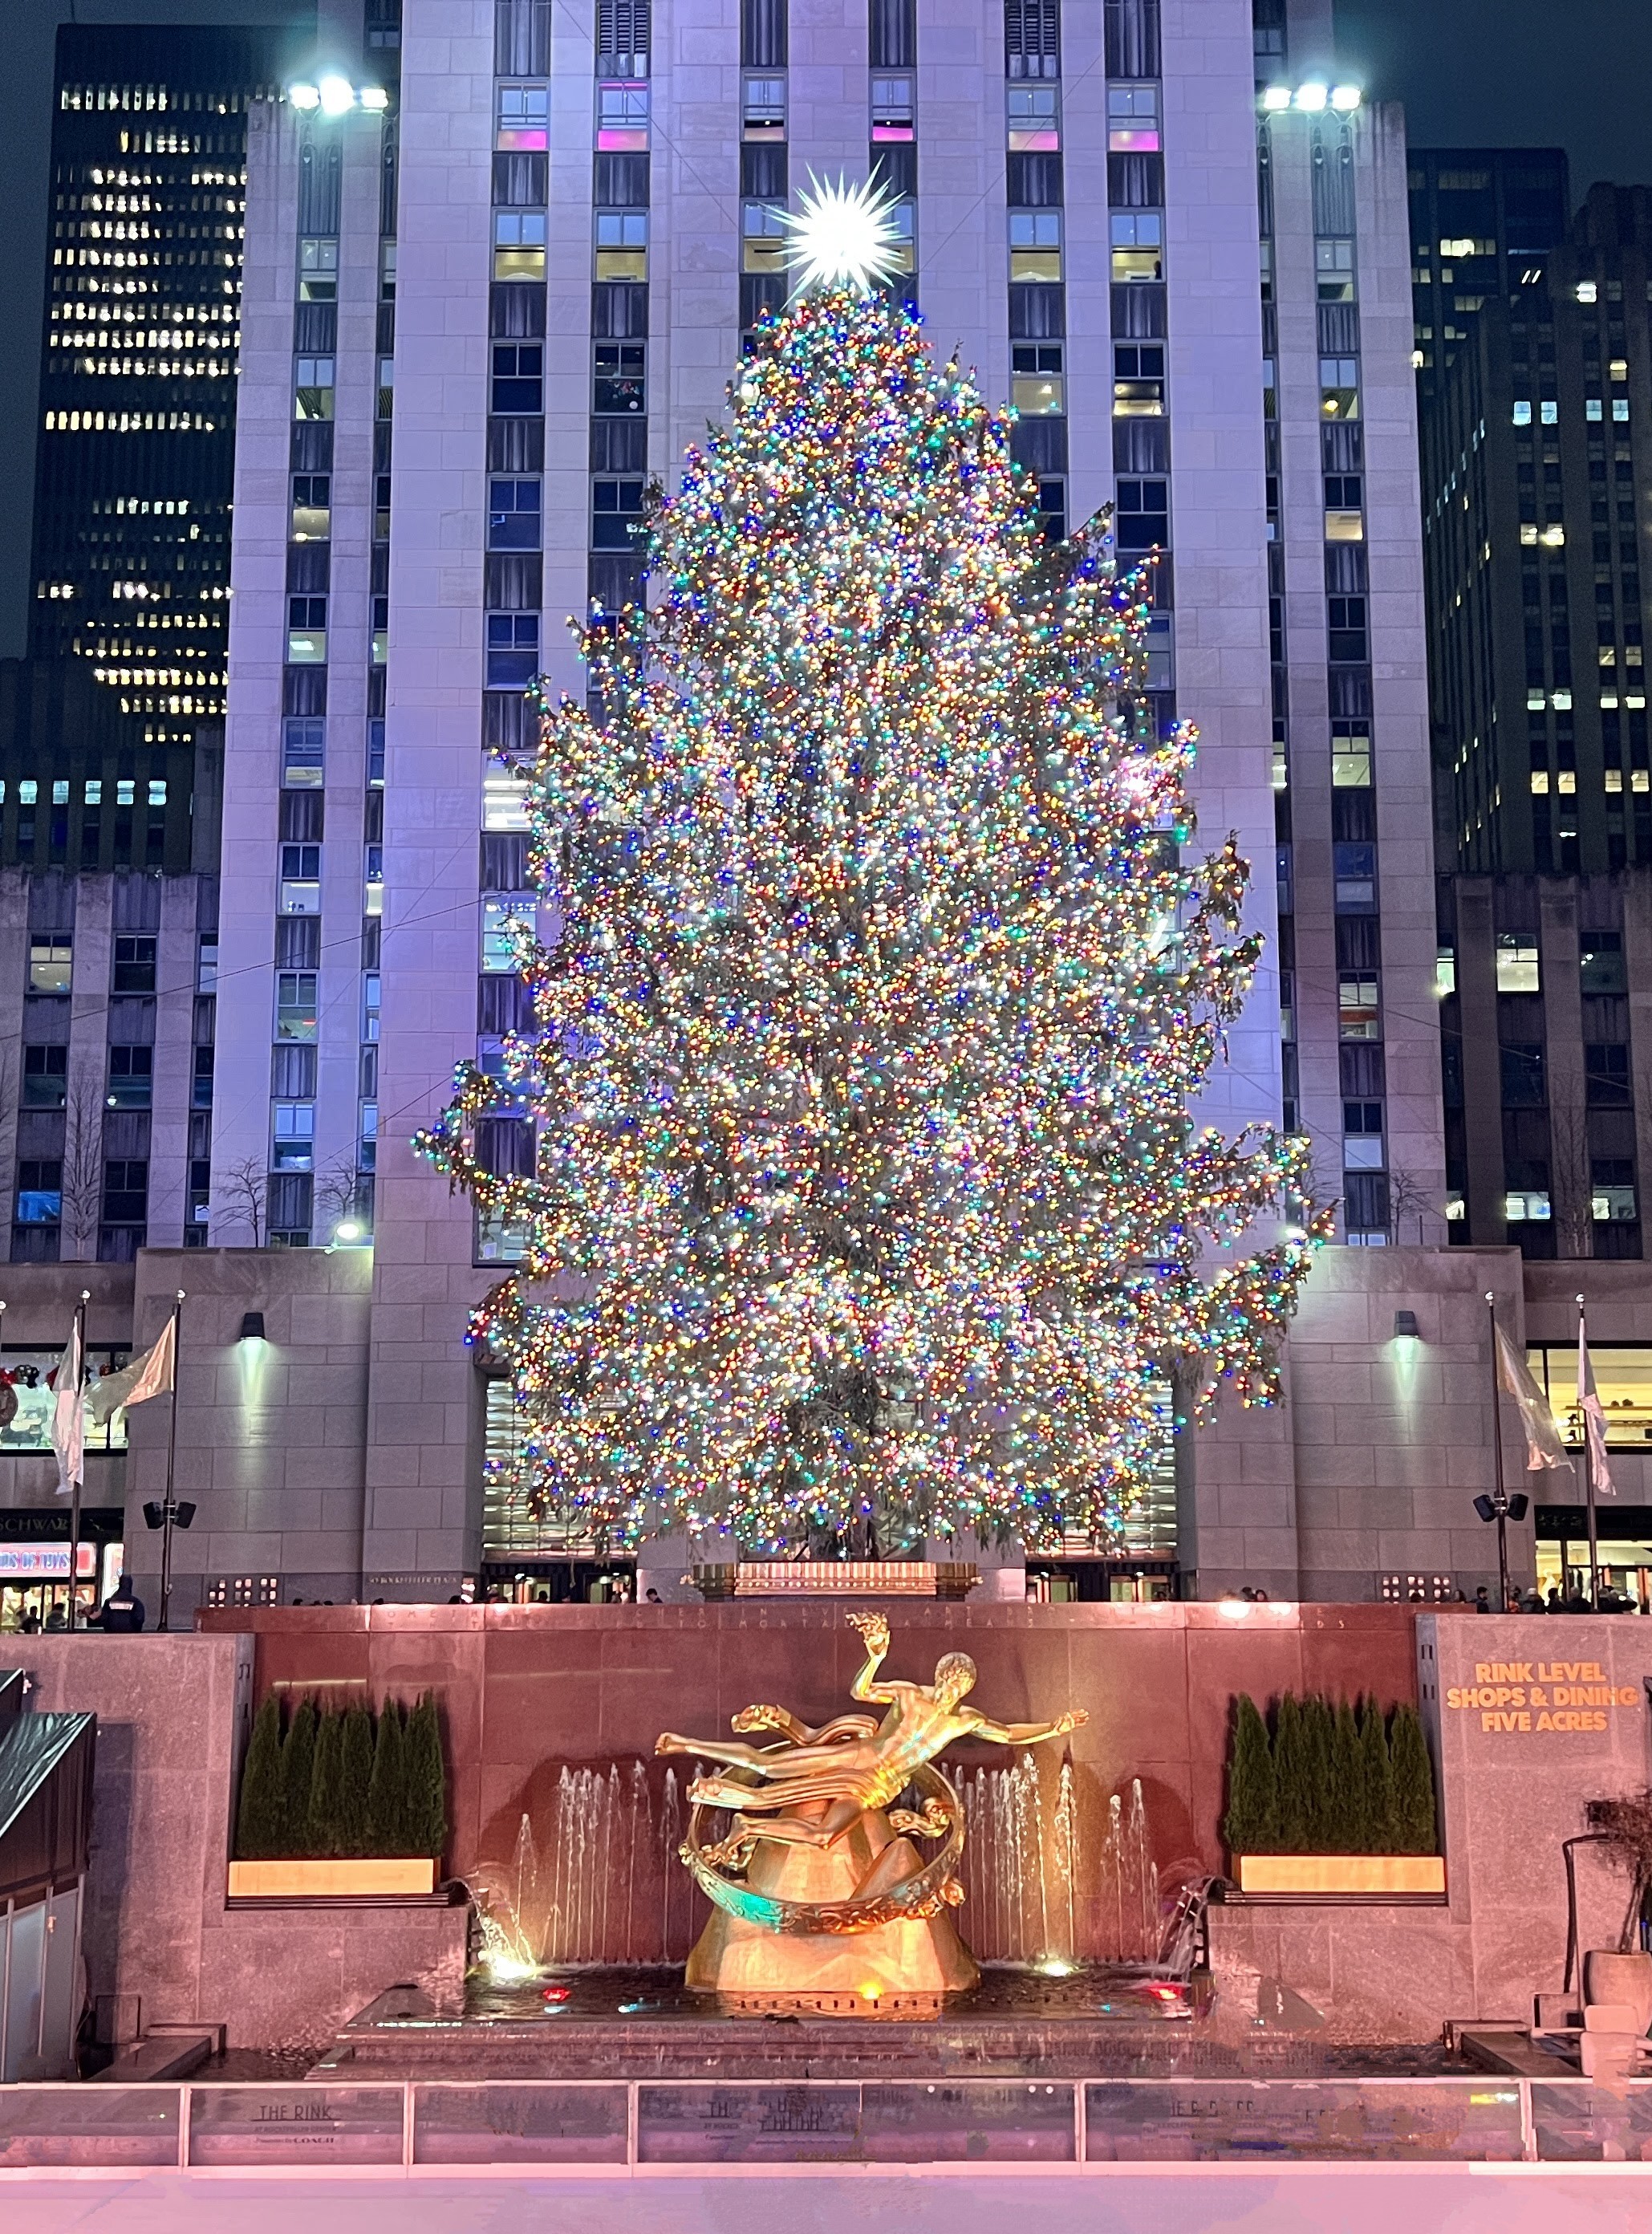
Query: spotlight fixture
1405, 1327
251, 1326
337, 94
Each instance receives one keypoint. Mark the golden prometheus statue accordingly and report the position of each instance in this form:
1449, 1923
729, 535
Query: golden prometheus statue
820, 1895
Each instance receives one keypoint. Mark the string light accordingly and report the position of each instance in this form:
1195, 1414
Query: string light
856, 1180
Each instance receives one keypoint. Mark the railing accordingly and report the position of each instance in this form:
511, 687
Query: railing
620, 2126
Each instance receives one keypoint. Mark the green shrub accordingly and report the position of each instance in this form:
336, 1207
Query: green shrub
1251, 1825
386, 1797
1380, 1827
297, 1772
1414, 1828
356, 1753
1350, 1818
1290, 1775
425, 1819
260, 1819
325, 1785
1316, 1734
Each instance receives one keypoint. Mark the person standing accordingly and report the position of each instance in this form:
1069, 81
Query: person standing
123, 1611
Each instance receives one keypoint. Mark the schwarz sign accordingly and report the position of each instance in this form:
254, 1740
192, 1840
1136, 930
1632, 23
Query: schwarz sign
1567, 1697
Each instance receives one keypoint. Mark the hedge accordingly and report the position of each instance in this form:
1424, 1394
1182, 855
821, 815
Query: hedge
1329, 1781
343, 1782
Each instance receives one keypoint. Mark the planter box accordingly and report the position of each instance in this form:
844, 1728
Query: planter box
1369, 1877
362, 1878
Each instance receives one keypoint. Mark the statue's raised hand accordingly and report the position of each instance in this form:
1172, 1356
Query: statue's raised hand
874, 1627
1073, 1719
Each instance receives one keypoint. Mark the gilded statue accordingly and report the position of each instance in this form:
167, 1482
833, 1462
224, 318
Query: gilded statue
828, 1856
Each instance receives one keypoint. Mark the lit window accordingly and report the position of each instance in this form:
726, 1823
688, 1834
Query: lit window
1132, 119
1548, 413
296, 1004
1518, 967
1036, 245
294, 1136
1038, 388
1350, 756
892, 108
1523, 414
1617, 369
1358, 1015
504, 802
1138, 242
1592, 409
501, 922
312, 517
1621, 409
313, 378
762, 237
763, 109
318, 271
1530, 1207
1445, 972
1339, 387
622, 118
304, 744
1137, 380
1334, 266
1539, 782
518, 244
1034, 125
1586, 290
622, 244
51, 966
524, 116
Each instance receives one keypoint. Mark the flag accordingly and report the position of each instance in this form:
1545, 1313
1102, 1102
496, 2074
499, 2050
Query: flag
1594, 1417
68, 1416
148, 1376
1544, 1446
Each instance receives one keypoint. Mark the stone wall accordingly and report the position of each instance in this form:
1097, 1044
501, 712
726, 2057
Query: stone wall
172, 1716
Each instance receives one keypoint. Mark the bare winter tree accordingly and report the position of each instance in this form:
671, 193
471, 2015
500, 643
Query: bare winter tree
1572, 1200
1411, 1205
335, 1195
83, 1182
246, 1189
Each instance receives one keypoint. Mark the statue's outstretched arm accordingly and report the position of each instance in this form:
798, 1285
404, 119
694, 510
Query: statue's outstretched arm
1028, 1732
875, 1630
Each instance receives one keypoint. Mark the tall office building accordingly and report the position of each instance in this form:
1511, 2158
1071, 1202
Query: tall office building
135, 444
1483, 220
486, 304
1533, 538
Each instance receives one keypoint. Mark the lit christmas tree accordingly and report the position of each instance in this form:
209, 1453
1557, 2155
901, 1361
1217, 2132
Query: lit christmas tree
860, 1193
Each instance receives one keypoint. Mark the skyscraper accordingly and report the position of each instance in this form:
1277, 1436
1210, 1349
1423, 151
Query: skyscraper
484, 306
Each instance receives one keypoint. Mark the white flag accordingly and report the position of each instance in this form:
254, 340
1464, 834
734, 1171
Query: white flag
1543, 1445
148, 1376
1594, 1417
68, 1416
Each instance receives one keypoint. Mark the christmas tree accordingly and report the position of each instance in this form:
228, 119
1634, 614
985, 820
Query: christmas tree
851, 1157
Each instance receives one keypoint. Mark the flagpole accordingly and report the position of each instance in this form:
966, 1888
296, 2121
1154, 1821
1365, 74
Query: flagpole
1588, 1471
170, 1507
75, 1485
1499, 1493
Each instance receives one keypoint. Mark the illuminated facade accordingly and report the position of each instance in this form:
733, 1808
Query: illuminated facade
135, 443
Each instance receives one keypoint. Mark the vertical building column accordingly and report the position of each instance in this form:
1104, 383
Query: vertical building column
420, 1532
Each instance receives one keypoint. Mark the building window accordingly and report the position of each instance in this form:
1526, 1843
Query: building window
892, 107
1038, 388
296, 1004
306, 631
1339, 387
622, 118
1138, 379
40, 1193
1141, 521
51, 966
304, 746
518, 244
1138, 237
1333, 264
294, 1148
1036, 245
1606, 1077
524, 117
1601, 962
1358, 1014
1132, 119
1519, 970
312, 498
1348, 633
622, 244
513, 650
318, 271
313, 386
501, 921
618, 379
45, 1077
518, 378
616, 508
131, 1077
1350, 756
135, 965
1034, 119
514, 516
762, 237
763, 109
1611, 1190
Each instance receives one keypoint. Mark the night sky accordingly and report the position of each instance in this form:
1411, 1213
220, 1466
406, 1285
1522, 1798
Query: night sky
1514, 73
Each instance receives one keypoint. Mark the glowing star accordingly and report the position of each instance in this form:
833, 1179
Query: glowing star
843, 236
